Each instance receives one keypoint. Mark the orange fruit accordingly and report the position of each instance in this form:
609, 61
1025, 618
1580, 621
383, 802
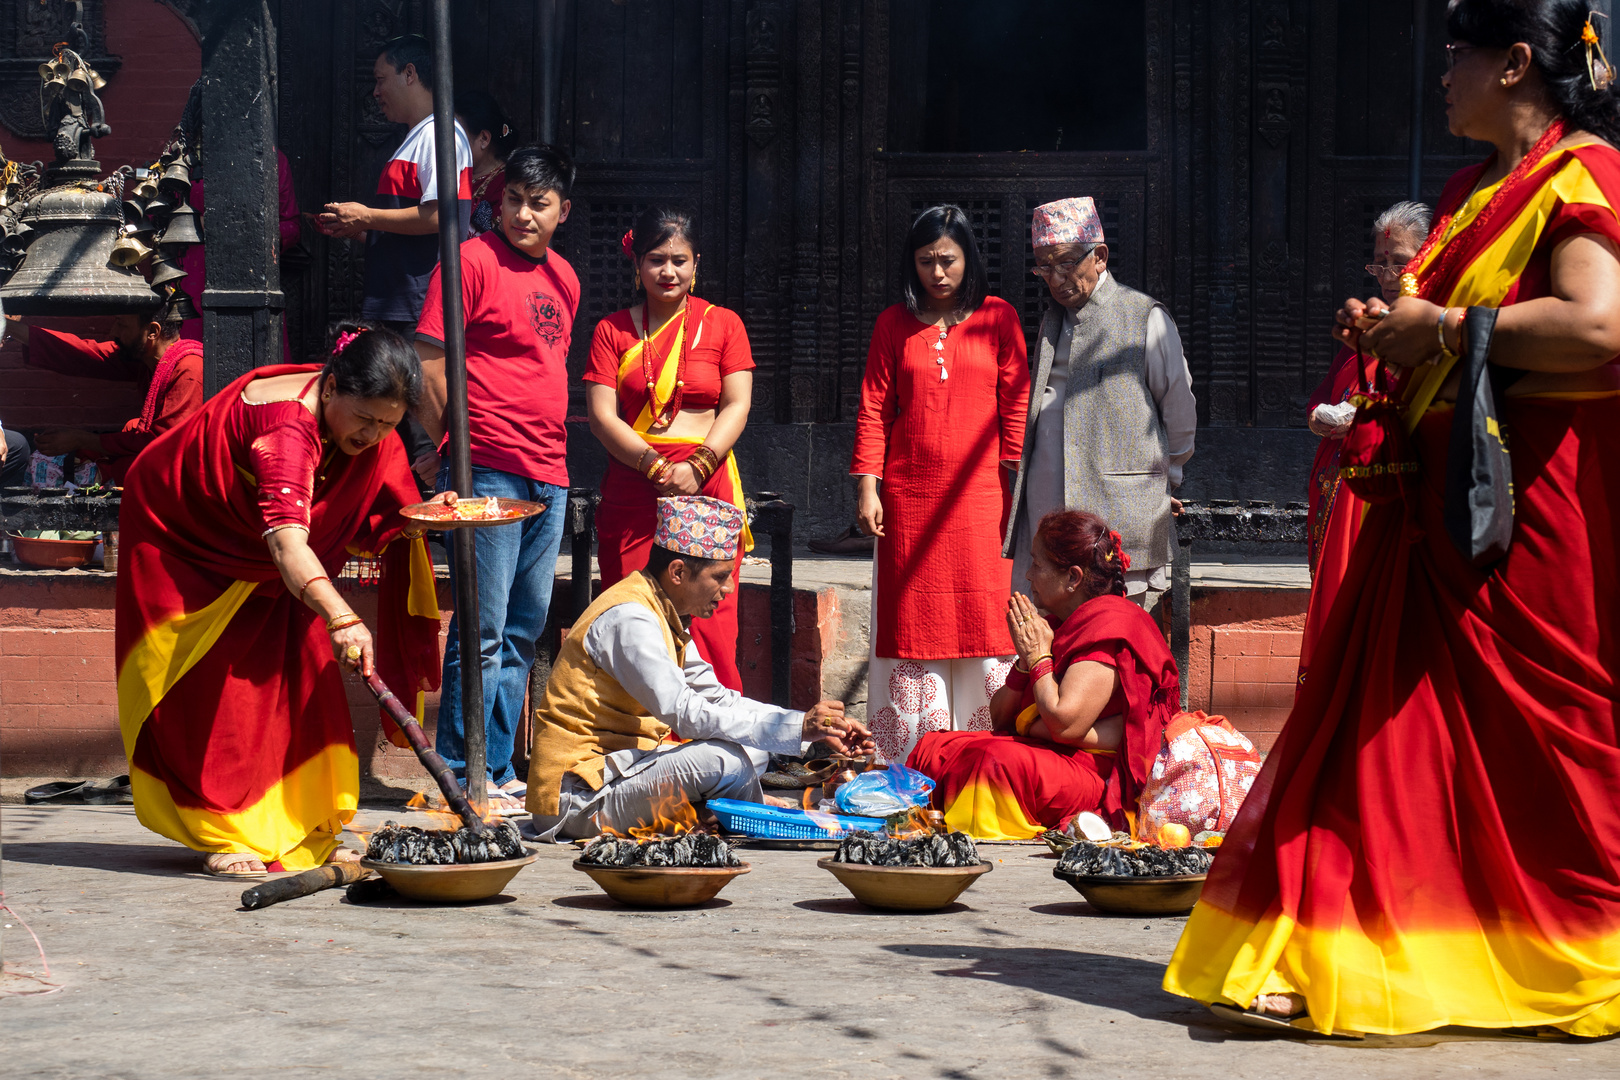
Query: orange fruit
1173, 835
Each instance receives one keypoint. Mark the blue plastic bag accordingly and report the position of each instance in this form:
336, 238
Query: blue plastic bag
883, 792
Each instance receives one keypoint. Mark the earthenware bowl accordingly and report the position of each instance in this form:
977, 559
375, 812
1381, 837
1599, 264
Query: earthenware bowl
1174, 895
453, 883
904, 888
661, 886
52, 554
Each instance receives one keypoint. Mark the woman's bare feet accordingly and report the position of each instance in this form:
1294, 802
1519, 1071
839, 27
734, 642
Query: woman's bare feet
1281, 1005
234, 864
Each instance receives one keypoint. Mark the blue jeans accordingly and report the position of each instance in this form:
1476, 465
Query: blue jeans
517, 568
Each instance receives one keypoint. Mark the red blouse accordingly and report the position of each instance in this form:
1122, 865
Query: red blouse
283, 444
718, 348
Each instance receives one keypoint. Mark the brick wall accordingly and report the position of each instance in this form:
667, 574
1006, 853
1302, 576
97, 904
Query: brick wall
1245, 656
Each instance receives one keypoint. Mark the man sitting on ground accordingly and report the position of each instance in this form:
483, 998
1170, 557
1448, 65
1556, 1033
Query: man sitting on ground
628, 678
146, 350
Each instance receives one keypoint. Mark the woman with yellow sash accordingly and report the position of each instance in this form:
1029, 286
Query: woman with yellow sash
1433, 840
671, 382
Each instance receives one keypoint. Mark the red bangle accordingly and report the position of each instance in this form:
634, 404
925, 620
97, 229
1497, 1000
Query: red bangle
308, 583
1017, 679
1041, 669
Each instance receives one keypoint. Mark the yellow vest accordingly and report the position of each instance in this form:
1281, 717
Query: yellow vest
585, 714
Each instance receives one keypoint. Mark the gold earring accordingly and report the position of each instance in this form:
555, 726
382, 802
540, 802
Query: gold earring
1503, 80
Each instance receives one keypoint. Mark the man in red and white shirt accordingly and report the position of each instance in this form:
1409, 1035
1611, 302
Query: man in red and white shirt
519, 299
402, 231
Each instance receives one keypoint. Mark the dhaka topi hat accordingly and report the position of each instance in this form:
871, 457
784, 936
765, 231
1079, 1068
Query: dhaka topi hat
1067, 221
699, 526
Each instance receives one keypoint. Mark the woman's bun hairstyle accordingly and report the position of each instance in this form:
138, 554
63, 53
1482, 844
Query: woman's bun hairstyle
1077, 538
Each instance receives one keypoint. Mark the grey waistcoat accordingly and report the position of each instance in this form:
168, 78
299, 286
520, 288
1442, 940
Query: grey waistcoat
1116, 454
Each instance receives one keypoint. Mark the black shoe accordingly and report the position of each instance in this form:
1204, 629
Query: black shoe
849, 542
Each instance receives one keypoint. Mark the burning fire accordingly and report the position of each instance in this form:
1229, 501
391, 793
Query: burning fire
672, 814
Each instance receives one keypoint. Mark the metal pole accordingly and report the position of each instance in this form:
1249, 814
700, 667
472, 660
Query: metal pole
551, 15
462, 546
1420, 35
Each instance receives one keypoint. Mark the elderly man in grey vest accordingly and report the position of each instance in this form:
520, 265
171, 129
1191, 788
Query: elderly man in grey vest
1111, 409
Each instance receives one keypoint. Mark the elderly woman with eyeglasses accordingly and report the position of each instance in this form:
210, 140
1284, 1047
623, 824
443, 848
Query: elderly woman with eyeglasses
1335, 513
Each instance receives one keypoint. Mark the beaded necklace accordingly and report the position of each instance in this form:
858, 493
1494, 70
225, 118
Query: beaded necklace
652, 361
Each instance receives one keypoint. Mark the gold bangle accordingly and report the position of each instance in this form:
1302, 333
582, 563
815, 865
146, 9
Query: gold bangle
343, 622
641, 462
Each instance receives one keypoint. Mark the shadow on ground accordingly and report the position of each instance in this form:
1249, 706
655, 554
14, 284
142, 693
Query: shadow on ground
162, 860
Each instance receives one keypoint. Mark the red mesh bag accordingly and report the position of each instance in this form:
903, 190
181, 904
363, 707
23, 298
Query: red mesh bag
1200, 776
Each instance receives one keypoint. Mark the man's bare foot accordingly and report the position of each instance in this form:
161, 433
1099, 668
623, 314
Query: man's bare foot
1283, 1005
772, 800
234, 864
342, 855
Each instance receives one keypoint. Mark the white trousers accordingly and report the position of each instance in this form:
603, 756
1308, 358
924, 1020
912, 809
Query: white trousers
907, 698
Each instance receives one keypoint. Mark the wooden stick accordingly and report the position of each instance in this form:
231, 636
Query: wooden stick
431, 761
310, 881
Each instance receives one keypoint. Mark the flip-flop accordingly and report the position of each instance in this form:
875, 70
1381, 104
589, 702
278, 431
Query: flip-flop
236, 875
112, 792
57, 791
1289, 1024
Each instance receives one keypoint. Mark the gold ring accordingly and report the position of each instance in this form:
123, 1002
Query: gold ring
352, 652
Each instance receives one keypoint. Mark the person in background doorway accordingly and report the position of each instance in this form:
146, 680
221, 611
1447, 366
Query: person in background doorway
1112, 415
146, 350
518, 303
490, 135
1335, 512
402, 232
940, 423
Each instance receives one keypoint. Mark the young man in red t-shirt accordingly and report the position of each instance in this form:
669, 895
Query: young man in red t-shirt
519, 300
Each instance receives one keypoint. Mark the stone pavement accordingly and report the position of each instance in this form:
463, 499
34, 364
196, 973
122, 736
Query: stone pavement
783, 975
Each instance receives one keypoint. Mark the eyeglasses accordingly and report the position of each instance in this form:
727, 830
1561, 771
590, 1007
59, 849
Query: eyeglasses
1384, 273
1061, 270
1453, 49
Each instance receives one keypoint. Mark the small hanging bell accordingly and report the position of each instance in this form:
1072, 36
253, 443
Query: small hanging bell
129, 251
182, 227
164, 271
159, 208
176, 181
134, 210
147, 189
180, 303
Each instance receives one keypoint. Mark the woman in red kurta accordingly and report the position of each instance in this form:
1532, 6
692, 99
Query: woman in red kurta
671, 381
1433, 839
1081, 716
941, 423
229, 633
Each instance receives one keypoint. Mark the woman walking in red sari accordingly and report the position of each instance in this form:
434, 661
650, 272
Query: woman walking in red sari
1432, 839
229, 632
1080, 719
941, 427
671, 380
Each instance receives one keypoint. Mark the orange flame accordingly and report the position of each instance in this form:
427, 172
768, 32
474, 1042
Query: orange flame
826, 822
672, 814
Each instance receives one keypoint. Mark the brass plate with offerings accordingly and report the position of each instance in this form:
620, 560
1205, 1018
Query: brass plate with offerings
472, 513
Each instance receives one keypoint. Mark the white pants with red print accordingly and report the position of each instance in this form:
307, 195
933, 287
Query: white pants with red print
910, 697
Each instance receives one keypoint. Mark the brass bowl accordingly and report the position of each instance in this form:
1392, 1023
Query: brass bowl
661, 886
904, 888
453, 883
1174, 895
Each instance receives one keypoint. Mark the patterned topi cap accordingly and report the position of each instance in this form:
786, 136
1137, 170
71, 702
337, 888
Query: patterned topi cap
1067, 221
699, 526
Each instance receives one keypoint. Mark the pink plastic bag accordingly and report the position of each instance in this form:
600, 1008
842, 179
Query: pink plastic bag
1202, 773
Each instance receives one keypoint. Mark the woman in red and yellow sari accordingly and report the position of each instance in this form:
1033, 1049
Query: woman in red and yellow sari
671, 382
229, 632
1433, 839
1083, 711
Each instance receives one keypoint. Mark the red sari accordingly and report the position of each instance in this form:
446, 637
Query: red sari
1001, 786
1433, 838
698, 350
233, 711
1335, 512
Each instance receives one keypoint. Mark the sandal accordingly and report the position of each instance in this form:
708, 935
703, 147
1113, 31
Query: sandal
849, 542
58, 791
219, 864
1295, 1023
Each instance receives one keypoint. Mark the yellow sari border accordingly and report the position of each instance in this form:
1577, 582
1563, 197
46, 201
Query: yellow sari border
165, 653
664, 385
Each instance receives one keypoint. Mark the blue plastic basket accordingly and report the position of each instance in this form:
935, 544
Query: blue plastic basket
775, 823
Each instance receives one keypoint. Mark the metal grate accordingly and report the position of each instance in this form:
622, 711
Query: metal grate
606, 283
